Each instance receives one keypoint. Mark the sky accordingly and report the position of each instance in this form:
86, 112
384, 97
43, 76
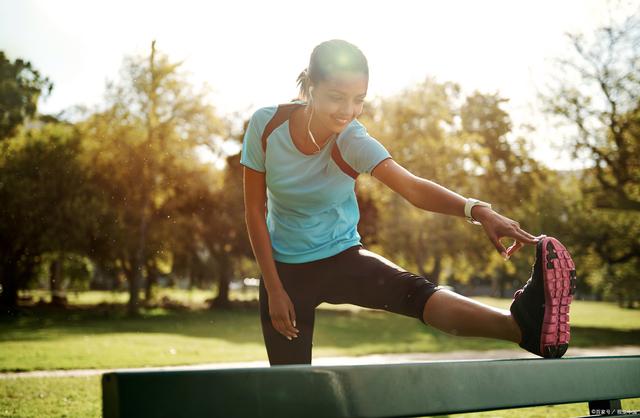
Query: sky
250, 52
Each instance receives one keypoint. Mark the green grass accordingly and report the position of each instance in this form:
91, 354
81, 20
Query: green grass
51, 397
194, 298
81, 397
83, 337
588, 314
88, 336
547, 411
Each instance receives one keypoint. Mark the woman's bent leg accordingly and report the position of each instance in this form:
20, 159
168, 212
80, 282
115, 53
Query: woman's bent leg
370, 280
280, 349
459, 315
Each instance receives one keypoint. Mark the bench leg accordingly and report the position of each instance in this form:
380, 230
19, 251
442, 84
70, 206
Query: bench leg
601, 407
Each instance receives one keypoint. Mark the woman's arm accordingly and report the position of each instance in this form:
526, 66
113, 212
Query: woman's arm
281, 309
430, 196
255, 198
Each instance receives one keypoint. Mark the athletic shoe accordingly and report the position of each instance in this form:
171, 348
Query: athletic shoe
541, 307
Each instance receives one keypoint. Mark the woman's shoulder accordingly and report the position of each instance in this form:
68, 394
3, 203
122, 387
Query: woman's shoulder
354, 131
264, 113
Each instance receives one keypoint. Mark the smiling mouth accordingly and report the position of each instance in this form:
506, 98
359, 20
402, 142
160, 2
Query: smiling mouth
341, 121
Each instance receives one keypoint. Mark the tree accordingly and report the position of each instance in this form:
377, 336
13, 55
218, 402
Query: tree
47, 204
21, 86
504, 171
143, 150
416, 127
598, 97
460, 143
602, 104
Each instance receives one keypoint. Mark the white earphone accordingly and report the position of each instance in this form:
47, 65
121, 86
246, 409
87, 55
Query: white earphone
309, 124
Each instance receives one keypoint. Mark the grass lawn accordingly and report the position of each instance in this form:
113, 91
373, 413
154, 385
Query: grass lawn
86, 336
89, 337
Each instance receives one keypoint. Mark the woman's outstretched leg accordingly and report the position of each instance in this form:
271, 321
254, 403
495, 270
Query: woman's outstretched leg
459, 315
538, 318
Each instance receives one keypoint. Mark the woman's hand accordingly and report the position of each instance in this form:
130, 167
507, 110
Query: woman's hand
498, 226
282, 313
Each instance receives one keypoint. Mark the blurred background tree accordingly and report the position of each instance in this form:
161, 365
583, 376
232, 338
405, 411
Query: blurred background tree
120, 199
21, 86
142, 151
597, 98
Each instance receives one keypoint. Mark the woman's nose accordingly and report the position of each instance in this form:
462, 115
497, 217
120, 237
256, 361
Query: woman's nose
347, 110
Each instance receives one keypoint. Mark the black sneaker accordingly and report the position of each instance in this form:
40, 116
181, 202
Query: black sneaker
541, 307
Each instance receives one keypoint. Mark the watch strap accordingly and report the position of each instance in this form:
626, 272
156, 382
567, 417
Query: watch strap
469, 204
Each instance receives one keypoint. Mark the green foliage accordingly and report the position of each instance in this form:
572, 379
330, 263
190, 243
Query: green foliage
77, 271
21, 86
597, 95
460, 143
141, 152
47, 202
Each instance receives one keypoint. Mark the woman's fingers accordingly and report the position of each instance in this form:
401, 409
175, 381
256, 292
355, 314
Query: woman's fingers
286, 327
519, 242
291, 323
522, 236
279, 326
531, 236
496, 243
514, 247
500, 226
282, 327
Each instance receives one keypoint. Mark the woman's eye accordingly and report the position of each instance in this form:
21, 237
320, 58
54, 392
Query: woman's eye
339, 99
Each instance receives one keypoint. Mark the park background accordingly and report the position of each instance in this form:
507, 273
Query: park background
122, 236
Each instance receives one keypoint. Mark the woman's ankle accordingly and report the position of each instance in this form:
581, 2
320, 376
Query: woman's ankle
516, 332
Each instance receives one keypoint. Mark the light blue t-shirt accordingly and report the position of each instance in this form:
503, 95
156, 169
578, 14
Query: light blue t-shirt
312, 211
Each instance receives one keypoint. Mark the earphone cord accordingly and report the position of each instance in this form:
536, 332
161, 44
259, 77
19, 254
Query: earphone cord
310, 134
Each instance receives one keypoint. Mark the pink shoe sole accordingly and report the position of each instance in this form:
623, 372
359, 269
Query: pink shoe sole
559, 272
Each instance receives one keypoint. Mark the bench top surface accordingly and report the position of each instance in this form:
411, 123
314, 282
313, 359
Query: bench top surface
380, 390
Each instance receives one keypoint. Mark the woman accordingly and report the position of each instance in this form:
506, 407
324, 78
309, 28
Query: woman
301, 214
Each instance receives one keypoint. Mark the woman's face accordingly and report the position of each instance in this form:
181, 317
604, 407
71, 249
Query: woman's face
340, 99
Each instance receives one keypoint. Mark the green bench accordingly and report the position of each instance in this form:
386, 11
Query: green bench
387, 390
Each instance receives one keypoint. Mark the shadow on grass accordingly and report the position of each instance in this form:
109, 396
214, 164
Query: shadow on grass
241, 324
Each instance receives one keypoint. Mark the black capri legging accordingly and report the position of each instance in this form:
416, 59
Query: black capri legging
356, 276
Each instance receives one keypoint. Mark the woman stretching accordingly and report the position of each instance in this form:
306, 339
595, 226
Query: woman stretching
301, 160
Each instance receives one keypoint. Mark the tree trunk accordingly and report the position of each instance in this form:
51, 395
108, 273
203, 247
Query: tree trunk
138, 264
495, 284
190, 273
434, 276
501, 288
132, 306
55, 281
222, 300
419, 256
9, 293
152, 275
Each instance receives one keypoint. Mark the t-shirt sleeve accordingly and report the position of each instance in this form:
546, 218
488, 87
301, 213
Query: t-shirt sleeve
362, 151
252, 154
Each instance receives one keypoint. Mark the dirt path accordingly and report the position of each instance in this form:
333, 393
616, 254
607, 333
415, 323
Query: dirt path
369, 359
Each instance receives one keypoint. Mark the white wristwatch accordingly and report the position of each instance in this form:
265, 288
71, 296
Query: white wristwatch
470, 203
